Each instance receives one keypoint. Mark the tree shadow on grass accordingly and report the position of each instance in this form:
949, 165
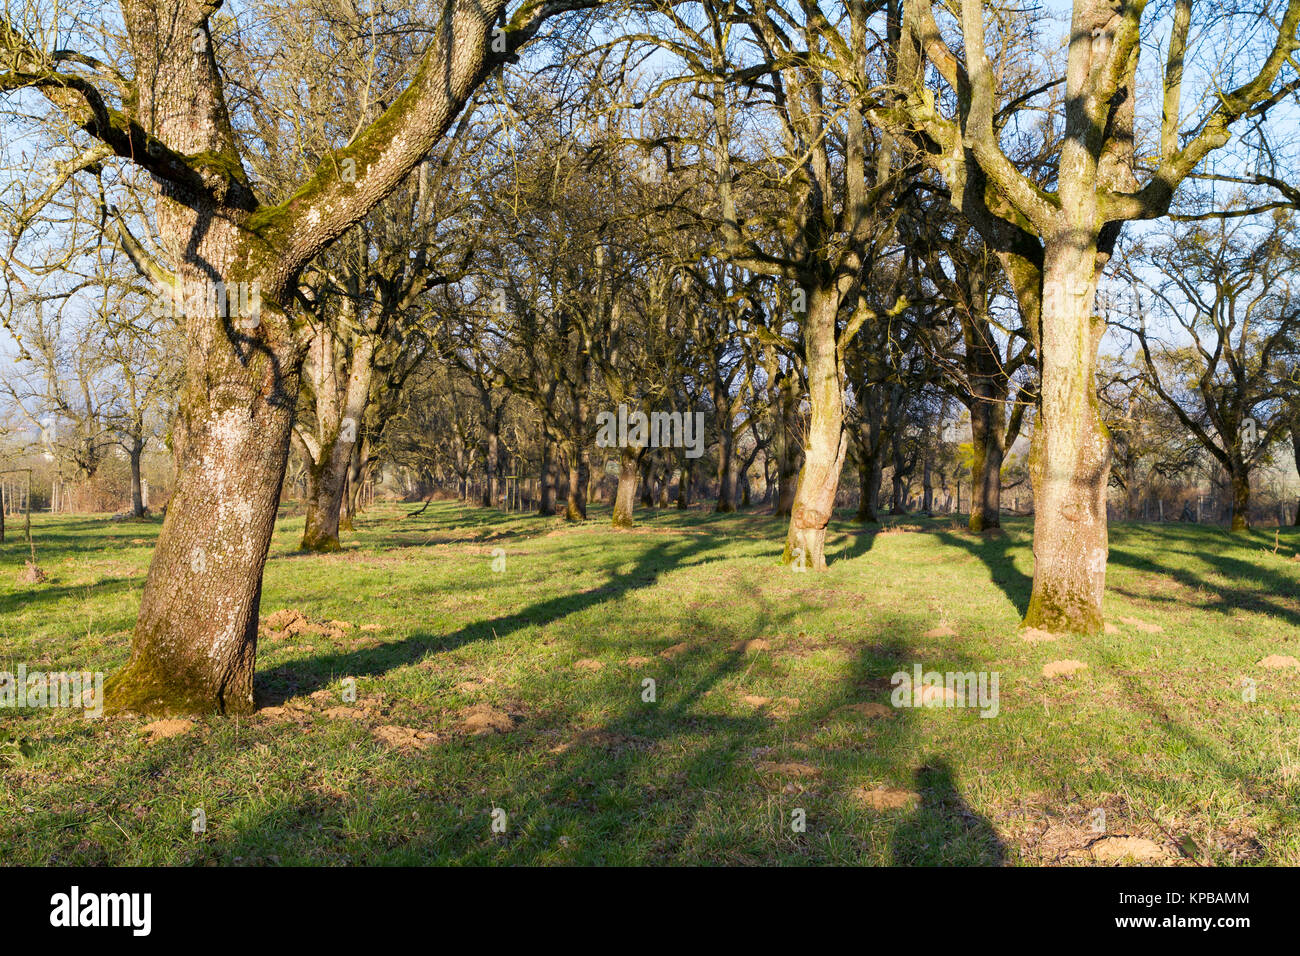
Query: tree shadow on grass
997, 550
273, 687
601, 775
1226, 600
943, 830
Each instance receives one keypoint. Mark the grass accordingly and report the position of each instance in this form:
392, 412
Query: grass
739, 743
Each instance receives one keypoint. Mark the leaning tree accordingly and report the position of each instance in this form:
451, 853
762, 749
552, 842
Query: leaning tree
195, 638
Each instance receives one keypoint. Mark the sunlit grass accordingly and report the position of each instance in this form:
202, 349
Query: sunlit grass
1154, 732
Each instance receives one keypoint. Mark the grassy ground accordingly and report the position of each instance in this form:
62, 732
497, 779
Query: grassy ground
753, 726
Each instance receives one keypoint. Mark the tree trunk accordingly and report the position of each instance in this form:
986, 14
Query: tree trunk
787, 446
195, 639
647, 472
575, 508
625, 499
1240, 478
356, 482
546, 506
827, 440
338, 417
986, 465
492, 463
1071, 452
927, 487
726, 461
137, 492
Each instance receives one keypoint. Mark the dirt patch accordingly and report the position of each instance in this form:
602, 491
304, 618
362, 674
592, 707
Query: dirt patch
1110, 849
638, 661
935, 696
676, 650
753, 700
943, 630
1035, 635
868, 709
788, 777
1062, 668
162, 729
288, 621
885, 798
1279, 660
485, 719
1144, 626
1110, 628
752, 646
372, 628
404, 738
588, 664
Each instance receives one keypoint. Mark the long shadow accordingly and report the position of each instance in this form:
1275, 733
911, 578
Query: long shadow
644, 782
275, 686
1226, 600
994, 548
943, 829
41, 594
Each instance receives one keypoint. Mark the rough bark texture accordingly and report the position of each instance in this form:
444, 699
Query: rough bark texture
1070, 460
827, 442
1240, 479
194, 645
625, 498
341, 395
137, 490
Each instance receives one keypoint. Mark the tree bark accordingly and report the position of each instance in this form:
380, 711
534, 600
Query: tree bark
827, 440
194, 645
546, 505
137, 492
338, 417
726, 458
1070, 459
1240, 479
787, 445
625, 498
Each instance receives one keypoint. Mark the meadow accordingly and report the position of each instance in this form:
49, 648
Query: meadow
475, 687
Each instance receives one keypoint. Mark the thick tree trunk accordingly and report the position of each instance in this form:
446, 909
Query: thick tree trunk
1240, 478
137, 489
546, 506
827, 444
196, 635
726, 463
1071, 453
338, 417
990, 486
986, 465
684, 487
787, 446
625, 499
575, 508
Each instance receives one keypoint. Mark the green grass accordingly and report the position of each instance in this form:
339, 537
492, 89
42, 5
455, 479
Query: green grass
1155, 732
